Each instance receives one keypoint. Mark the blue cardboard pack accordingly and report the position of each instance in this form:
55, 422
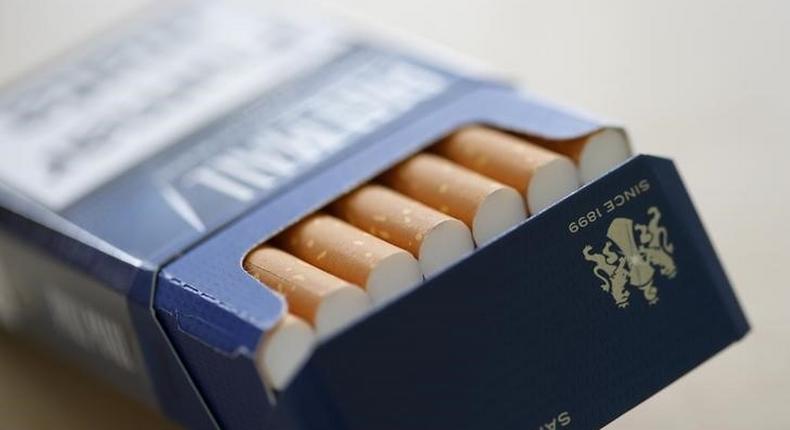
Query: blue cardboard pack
136, 177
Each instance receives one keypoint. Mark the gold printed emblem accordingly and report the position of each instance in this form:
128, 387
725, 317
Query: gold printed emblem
631, 258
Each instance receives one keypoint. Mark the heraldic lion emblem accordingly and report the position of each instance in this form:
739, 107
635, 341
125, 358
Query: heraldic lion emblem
631, 257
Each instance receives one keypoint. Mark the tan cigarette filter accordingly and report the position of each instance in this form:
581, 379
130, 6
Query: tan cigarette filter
485, 205
436, 239
327, 302
595, 154
542, 176
382, 269
283, 351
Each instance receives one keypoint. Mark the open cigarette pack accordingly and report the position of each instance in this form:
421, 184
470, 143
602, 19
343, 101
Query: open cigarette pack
265, 222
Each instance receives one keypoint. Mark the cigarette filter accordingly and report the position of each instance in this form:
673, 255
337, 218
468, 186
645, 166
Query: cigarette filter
485, 205
283, 351
436, 239
327, 302
542, 176
383, 269
595, 154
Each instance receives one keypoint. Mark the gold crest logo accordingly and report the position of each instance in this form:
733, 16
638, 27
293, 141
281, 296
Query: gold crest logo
632, 256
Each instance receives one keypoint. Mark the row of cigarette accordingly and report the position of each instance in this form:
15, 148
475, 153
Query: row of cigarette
418, 218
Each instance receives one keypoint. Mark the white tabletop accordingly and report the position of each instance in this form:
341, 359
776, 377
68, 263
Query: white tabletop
703, 82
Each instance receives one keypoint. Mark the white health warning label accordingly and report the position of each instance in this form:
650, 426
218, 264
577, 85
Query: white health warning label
84, 122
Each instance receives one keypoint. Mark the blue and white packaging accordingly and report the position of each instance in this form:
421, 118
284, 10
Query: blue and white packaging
135, 176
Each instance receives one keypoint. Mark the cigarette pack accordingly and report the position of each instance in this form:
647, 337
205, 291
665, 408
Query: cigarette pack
139, 173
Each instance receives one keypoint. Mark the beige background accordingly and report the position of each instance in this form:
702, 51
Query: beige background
703, 82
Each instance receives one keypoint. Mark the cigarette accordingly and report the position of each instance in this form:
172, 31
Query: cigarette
284, 350
325, 301
596, 153
436, 239
542, 176
382, 269
483, 204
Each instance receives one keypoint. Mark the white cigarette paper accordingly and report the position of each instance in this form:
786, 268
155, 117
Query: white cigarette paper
284, 350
